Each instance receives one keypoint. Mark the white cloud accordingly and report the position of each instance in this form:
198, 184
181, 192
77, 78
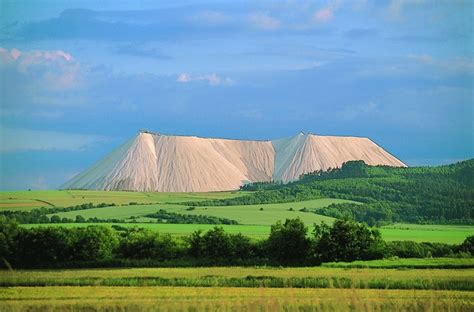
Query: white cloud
396, 7
255, 114
184, 77
448, 65
18, 139
424, 58
355, 111
212, 18
326, 13
212, 79
53, 70
264, 21
323, 15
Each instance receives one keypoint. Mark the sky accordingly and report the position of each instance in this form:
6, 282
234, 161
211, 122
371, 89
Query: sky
78, 78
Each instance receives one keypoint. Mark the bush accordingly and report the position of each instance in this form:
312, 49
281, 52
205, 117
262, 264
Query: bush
94, 243
468, 245
139, 243
287, 243
347, 241
44, 245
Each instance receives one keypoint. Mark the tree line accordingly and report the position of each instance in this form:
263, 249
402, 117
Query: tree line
40, 216
288, 243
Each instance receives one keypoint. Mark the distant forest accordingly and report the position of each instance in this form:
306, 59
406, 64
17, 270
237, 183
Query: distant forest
442, 195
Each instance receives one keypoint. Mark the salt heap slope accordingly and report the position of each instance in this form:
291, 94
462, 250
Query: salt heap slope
154, 162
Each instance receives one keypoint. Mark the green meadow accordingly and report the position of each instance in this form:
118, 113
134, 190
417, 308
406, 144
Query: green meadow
238, 288
27, 200
264, 214
254, 220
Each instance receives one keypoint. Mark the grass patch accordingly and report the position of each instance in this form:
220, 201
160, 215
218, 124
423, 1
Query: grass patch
27, 200
312, 277
229, 299
424, 263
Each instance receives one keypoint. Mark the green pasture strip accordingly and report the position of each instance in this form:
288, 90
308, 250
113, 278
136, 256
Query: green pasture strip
319, 277
115, 212
449, 234
265, 214
27, 200
423, 263
99, 298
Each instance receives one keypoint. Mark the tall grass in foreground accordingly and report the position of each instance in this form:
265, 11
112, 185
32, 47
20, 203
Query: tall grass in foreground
466, 284
229, 299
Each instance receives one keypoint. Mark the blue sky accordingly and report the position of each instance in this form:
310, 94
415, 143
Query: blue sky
77, 78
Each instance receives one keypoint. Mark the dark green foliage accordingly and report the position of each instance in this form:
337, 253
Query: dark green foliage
282, 195
347, 241
441, 195
8, 234
39, 216
45, 244
139, 243
468, 245
218, 245
288, 242
94, 243
409, 249
162, 216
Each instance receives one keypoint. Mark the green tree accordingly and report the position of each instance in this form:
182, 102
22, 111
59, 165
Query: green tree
287, 243
8, 236
347, 241
95, 243
468, 245
216, 244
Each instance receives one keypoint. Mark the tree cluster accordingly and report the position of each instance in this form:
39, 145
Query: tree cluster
163, 216
287, 244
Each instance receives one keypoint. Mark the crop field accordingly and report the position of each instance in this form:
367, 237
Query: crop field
241, 288
449, 234
244, 214
27, 200
104, 298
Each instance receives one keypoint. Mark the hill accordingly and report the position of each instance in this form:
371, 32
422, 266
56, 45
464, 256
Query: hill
155, 162
443, 194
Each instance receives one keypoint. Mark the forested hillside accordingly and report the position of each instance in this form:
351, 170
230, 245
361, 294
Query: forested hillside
443, 194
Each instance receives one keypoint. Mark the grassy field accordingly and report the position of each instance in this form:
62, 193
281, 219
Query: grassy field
356, 275
244, 214
255, 220
254, 289
449, 234
97, 298
27, 200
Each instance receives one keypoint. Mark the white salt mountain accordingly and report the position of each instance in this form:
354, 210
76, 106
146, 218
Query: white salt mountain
167, 163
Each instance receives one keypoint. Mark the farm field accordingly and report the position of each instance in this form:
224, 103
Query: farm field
450, 234
254, 220
444, 234
98, 298
244, 214
253, 289
27, 200
359, 277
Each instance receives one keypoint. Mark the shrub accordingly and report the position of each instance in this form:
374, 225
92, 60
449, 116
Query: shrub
347, 241
287, 242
